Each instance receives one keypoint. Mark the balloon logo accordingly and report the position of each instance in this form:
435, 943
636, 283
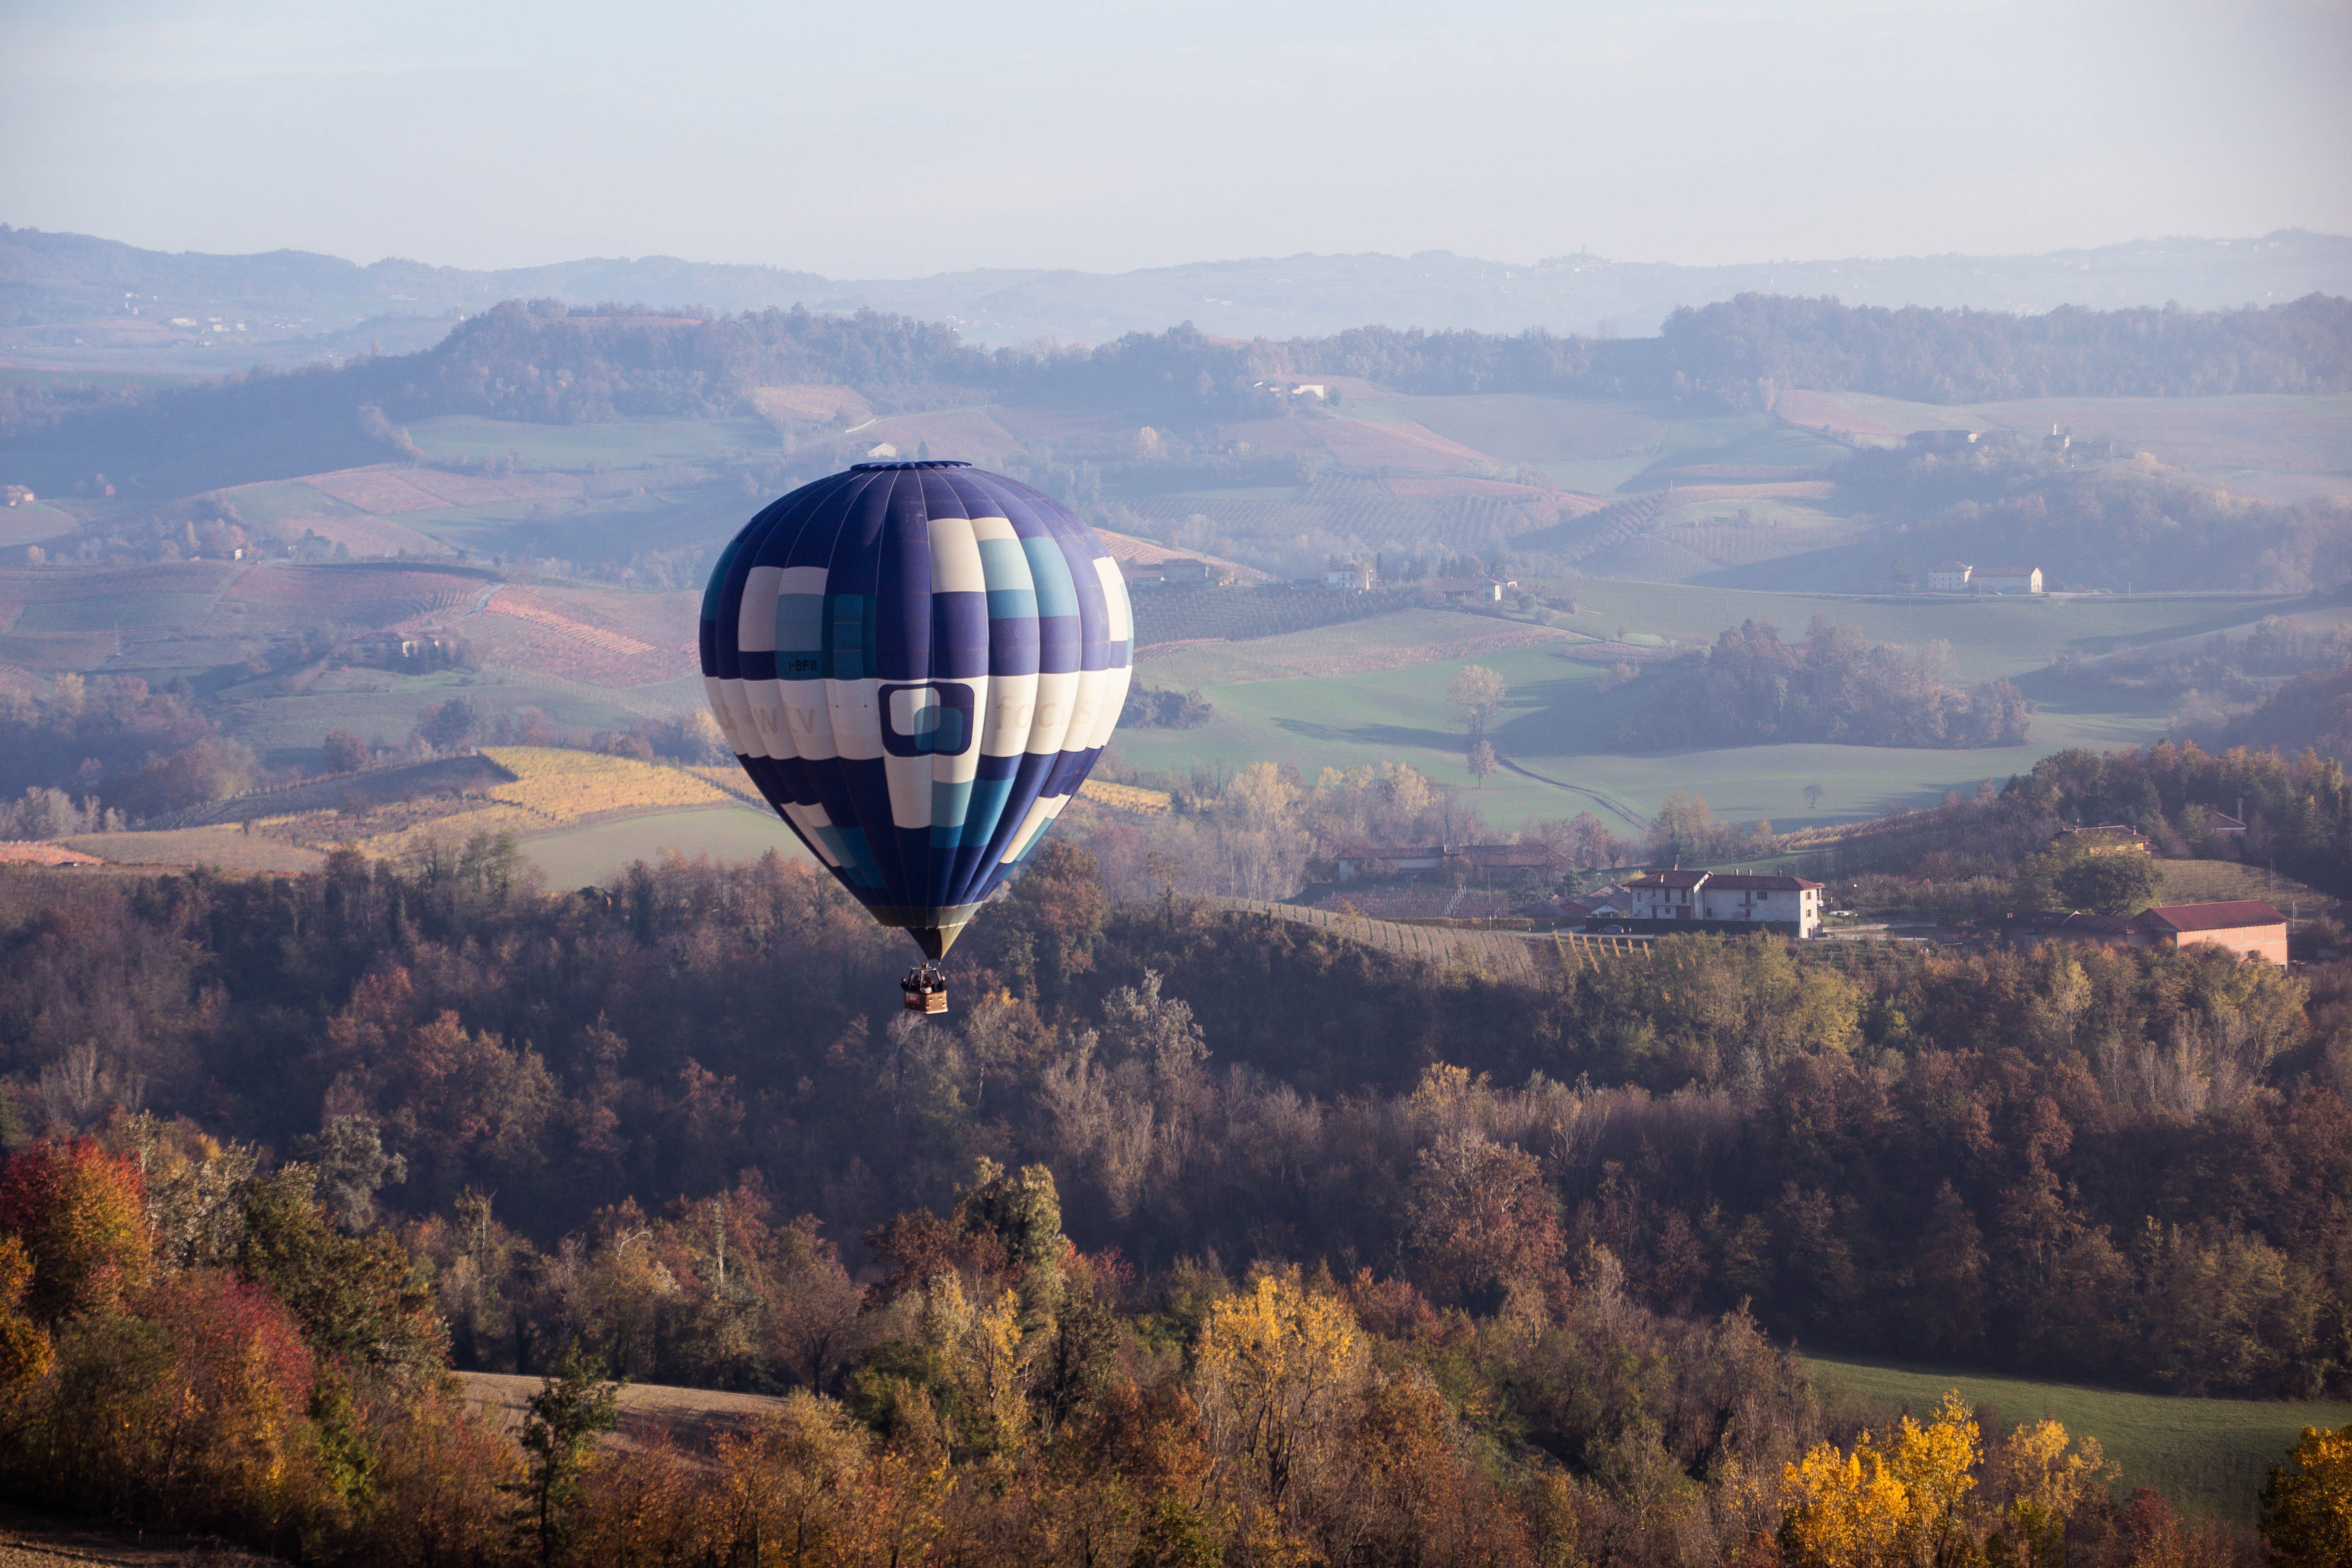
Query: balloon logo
918, 663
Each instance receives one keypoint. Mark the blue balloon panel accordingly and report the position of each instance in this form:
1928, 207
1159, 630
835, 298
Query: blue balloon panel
917, 664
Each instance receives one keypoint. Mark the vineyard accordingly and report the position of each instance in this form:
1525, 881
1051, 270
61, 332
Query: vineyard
576, 635
731, 777
1358, 443
388, 492
1410, 903
1727, 542
88, 599
369, 789
1184, 614
1486, 953
1396, 640
564, 787
554, 789
278, 596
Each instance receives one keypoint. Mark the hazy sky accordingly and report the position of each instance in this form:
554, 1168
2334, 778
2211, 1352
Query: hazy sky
898, 137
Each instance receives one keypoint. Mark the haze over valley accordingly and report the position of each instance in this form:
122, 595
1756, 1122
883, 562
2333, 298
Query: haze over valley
1635, 906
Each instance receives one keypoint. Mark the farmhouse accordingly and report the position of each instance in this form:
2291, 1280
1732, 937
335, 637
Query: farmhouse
15, 495
1471, 590
1713, 901
2006, 579
2247, 927
1951, 577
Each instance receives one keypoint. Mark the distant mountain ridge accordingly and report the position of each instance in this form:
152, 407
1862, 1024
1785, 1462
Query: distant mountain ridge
50, 281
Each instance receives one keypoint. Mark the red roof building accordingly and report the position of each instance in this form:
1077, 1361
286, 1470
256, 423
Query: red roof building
2248, 927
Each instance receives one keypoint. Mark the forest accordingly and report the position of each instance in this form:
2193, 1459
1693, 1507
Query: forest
1210, 1237
1752, 689
2090, 527
1738, 352
2297, 815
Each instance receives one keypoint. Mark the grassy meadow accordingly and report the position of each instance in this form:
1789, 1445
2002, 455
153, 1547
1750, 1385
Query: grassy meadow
1375, 707
2209, 1456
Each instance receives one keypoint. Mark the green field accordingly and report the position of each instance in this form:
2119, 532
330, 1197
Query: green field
32, 523
1549, 726
580, 448
579, 855
1746, 438
2209, 1456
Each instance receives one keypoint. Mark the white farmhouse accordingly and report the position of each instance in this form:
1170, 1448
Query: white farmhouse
1712, 900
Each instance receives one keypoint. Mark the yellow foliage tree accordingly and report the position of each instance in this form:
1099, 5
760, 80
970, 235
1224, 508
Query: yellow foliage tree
2307, 1505
1276, 1372
1898, 1502
2045, 1484
990, 1360
1844, 1509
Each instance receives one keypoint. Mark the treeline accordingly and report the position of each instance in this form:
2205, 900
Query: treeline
2297, 815
2130, 1159
545, 362
540, 363
2313, 710
192, 1340
2092, 528
2243, 671
111, 745
1835, 686
1739, 352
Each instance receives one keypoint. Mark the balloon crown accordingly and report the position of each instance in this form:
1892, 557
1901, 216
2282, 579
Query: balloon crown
910, 463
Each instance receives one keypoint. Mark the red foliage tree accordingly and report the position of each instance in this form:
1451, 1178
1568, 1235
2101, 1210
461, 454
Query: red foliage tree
82, 1213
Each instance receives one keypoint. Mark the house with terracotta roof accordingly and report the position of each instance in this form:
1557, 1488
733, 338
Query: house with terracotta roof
2247, 927
2006, 579
1726, 901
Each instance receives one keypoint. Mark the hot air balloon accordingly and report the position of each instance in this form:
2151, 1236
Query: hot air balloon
918, 663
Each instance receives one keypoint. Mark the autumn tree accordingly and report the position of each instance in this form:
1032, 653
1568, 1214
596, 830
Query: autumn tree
79, 1211
1897, 1499
2307, 1503
1477, 693
344, 753
1481, 1221
1274, 1373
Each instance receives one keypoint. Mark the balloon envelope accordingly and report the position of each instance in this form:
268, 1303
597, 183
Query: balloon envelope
918, 663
